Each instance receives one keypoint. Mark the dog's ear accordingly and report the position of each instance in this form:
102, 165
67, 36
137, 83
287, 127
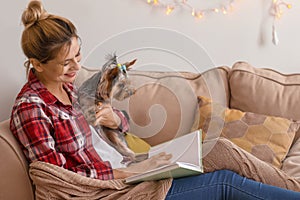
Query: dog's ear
129, 64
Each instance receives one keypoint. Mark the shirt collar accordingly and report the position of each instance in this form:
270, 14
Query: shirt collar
43, 92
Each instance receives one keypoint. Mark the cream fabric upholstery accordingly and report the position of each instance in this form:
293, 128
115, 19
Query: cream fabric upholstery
165, 103
14, 182
164, 107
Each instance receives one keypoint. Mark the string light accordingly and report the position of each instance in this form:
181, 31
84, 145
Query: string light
169, 9
276, 10
170, 6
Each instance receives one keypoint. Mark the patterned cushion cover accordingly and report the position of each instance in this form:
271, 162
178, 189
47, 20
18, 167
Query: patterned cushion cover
267, 137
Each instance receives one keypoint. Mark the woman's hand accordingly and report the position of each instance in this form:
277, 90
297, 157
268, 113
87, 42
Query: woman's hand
146, 165
107, 117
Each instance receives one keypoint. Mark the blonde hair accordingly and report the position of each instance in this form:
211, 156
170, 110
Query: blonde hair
44, 34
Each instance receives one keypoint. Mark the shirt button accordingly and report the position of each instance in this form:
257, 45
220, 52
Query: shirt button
51, 145
64, 116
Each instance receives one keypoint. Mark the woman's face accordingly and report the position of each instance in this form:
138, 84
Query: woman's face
65, 66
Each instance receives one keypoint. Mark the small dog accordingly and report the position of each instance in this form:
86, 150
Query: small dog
111, 82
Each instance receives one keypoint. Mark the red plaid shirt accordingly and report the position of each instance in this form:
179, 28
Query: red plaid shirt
50, 131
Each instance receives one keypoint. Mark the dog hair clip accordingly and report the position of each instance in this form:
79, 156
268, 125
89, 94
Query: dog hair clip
122, 67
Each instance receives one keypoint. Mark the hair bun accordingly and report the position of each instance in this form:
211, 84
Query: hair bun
33, 13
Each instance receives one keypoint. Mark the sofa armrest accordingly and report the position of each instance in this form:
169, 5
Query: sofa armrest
15, 182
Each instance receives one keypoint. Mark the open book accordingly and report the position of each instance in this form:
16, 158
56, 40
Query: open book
186, 159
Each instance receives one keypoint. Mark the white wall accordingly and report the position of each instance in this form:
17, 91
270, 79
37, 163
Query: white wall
177, 42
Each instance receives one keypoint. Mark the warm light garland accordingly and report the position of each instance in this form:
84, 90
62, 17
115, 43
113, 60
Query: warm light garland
276, 11
169, 6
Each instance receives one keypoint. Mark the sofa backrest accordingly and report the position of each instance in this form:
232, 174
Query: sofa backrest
165, 103
158, 93
14, 181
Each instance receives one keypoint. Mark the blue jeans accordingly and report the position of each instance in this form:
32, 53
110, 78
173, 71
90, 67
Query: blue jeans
225, 185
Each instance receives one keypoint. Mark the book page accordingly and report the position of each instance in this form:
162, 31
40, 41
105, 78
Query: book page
175, 170
186, 148
186, 160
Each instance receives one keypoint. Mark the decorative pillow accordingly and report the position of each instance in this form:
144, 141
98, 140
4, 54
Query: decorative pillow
136, 144
265, 91
266, 137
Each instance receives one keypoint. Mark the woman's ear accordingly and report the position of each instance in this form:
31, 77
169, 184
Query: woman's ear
37, 65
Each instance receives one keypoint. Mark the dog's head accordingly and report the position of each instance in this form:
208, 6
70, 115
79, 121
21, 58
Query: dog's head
114, 82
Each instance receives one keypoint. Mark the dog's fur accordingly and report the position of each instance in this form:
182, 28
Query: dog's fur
110, 82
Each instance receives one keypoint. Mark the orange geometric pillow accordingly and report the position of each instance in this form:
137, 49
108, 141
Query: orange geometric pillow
269, 138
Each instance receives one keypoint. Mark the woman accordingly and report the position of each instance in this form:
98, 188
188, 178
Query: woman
50, 127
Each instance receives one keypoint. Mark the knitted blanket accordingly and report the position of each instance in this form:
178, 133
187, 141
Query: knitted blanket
223, 154
54, 182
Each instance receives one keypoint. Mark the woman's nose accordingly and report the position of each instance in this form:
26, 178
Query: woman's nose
76, 64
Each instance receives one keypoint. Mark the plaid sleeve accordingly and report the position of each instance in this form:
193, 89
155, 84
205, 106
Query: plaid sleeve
32, 128
124, 125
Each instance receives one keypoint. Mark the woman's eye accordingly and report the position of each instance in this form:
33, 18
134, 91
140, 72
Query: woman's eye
66, 64
78, 57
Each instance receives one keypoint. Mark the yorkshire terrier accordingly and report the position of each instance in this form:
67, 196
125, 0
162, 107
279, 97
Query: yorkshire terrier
111, 82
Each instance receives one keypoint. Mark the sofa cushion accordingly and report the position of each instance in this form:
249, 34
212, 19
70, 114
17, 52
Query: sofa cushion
269, 92
292, 161
165, 103
267, 137
265, 91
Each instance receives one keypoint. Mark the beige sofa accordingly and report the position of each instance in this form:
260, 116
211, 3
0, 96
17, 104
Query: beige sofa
165, 106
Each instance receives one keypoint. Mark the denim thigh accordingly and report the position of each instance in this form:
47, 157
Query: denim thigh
225, 185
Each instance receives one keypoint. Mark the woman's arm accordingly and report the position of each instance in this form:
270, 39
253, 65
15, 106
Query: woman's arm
112, 118
124, 120
32, 127
61, 142
143, 166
